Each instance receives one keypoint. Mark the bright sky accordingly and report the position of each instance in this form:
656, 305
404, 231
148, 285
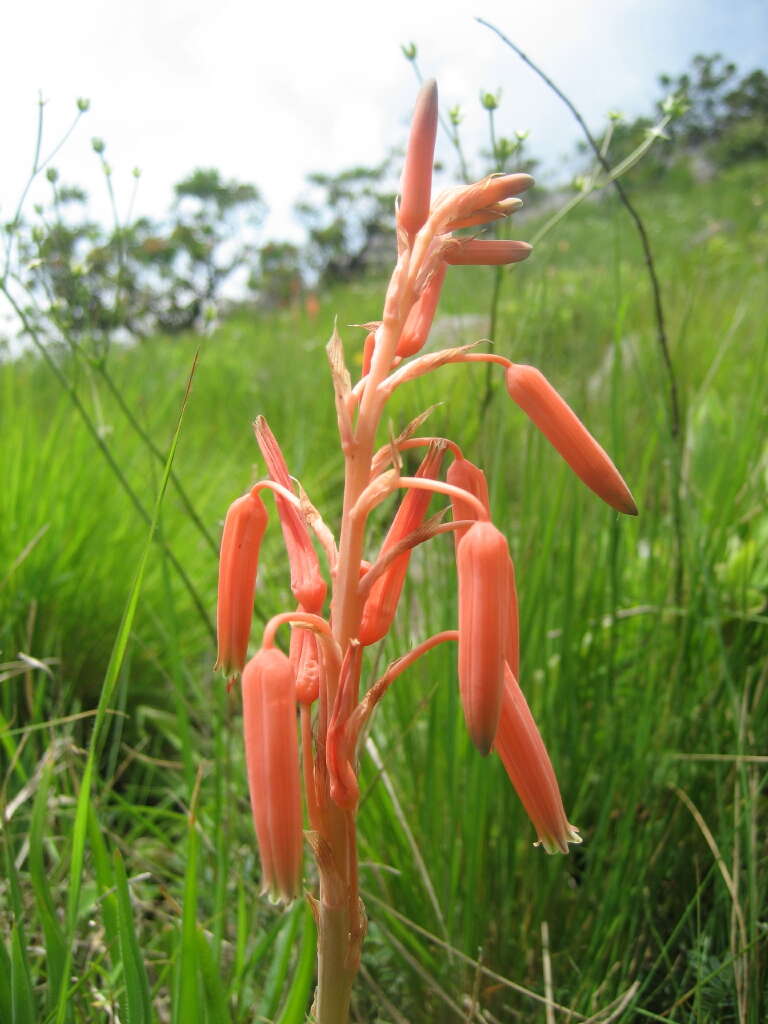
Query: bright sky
268, 92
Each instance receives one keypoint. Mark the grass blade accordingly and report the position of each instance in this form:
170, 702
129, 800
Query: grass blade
294, 1010
108, 687
55, 945
187, 1001
137, 1005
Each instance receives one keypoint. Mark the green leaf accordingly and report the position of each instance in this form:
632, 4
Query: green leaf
216, 999
295, 1008
55, 945
187, 1001
137, 1004
6, 996
22, 999
278, 969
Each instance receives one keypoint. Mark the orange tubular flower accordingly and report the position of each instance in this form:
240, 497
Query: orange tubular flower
482, 562
465, 474
272, 759
416, 182
238, 563
476, 252
381, 604
549, 411
525, 758
419, 320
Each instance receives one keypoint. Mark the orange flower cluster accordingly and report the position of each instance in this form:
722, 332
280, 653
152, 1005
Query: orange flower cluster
321, 673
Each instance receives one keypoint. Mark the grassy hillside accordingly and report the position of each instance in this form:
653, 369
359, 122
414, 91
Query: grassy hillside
652, 702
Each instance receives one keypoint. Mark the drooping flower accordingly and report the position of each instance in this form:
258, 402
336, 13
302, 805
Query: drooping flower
272, 759
519, 744
244, 528
482, 566
465, 474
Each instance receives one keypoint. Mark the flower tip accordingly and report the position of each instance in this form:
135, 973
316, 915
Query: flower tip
629, 506
416, 183
481, 741
560, 844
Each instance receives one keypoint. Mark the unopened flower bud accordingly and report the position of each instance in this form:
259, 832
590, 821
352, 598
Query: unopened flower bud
381, 604
272, 759
419, 320
490, 100
549, 411
238, 564
416, 182
482, 561
487, 253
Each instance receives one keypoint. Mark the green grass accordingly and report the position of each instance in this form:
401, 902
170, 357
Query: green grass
653, 709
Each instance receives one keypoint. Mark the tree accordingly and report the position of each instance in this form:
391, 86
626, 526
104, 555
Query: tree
143, 275
350, 220
278, 281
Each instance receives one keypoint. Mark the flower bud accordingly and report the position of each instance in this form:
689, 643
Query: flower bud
305, 664
272, 760
238, 563
474, 252
416, 182
521, 749
381, 604
564, 430
490, 100
482, 562
419, 320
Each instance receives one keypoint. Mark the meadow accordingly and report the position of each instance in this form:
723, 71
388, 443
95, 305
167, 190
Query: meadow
644, 648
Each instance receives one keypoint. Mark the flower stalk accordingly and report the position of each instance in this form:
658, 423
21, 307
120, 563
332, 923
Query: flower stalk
318, 681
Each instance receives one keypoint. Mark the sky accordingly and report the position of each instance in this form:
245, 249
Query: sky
268, 92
